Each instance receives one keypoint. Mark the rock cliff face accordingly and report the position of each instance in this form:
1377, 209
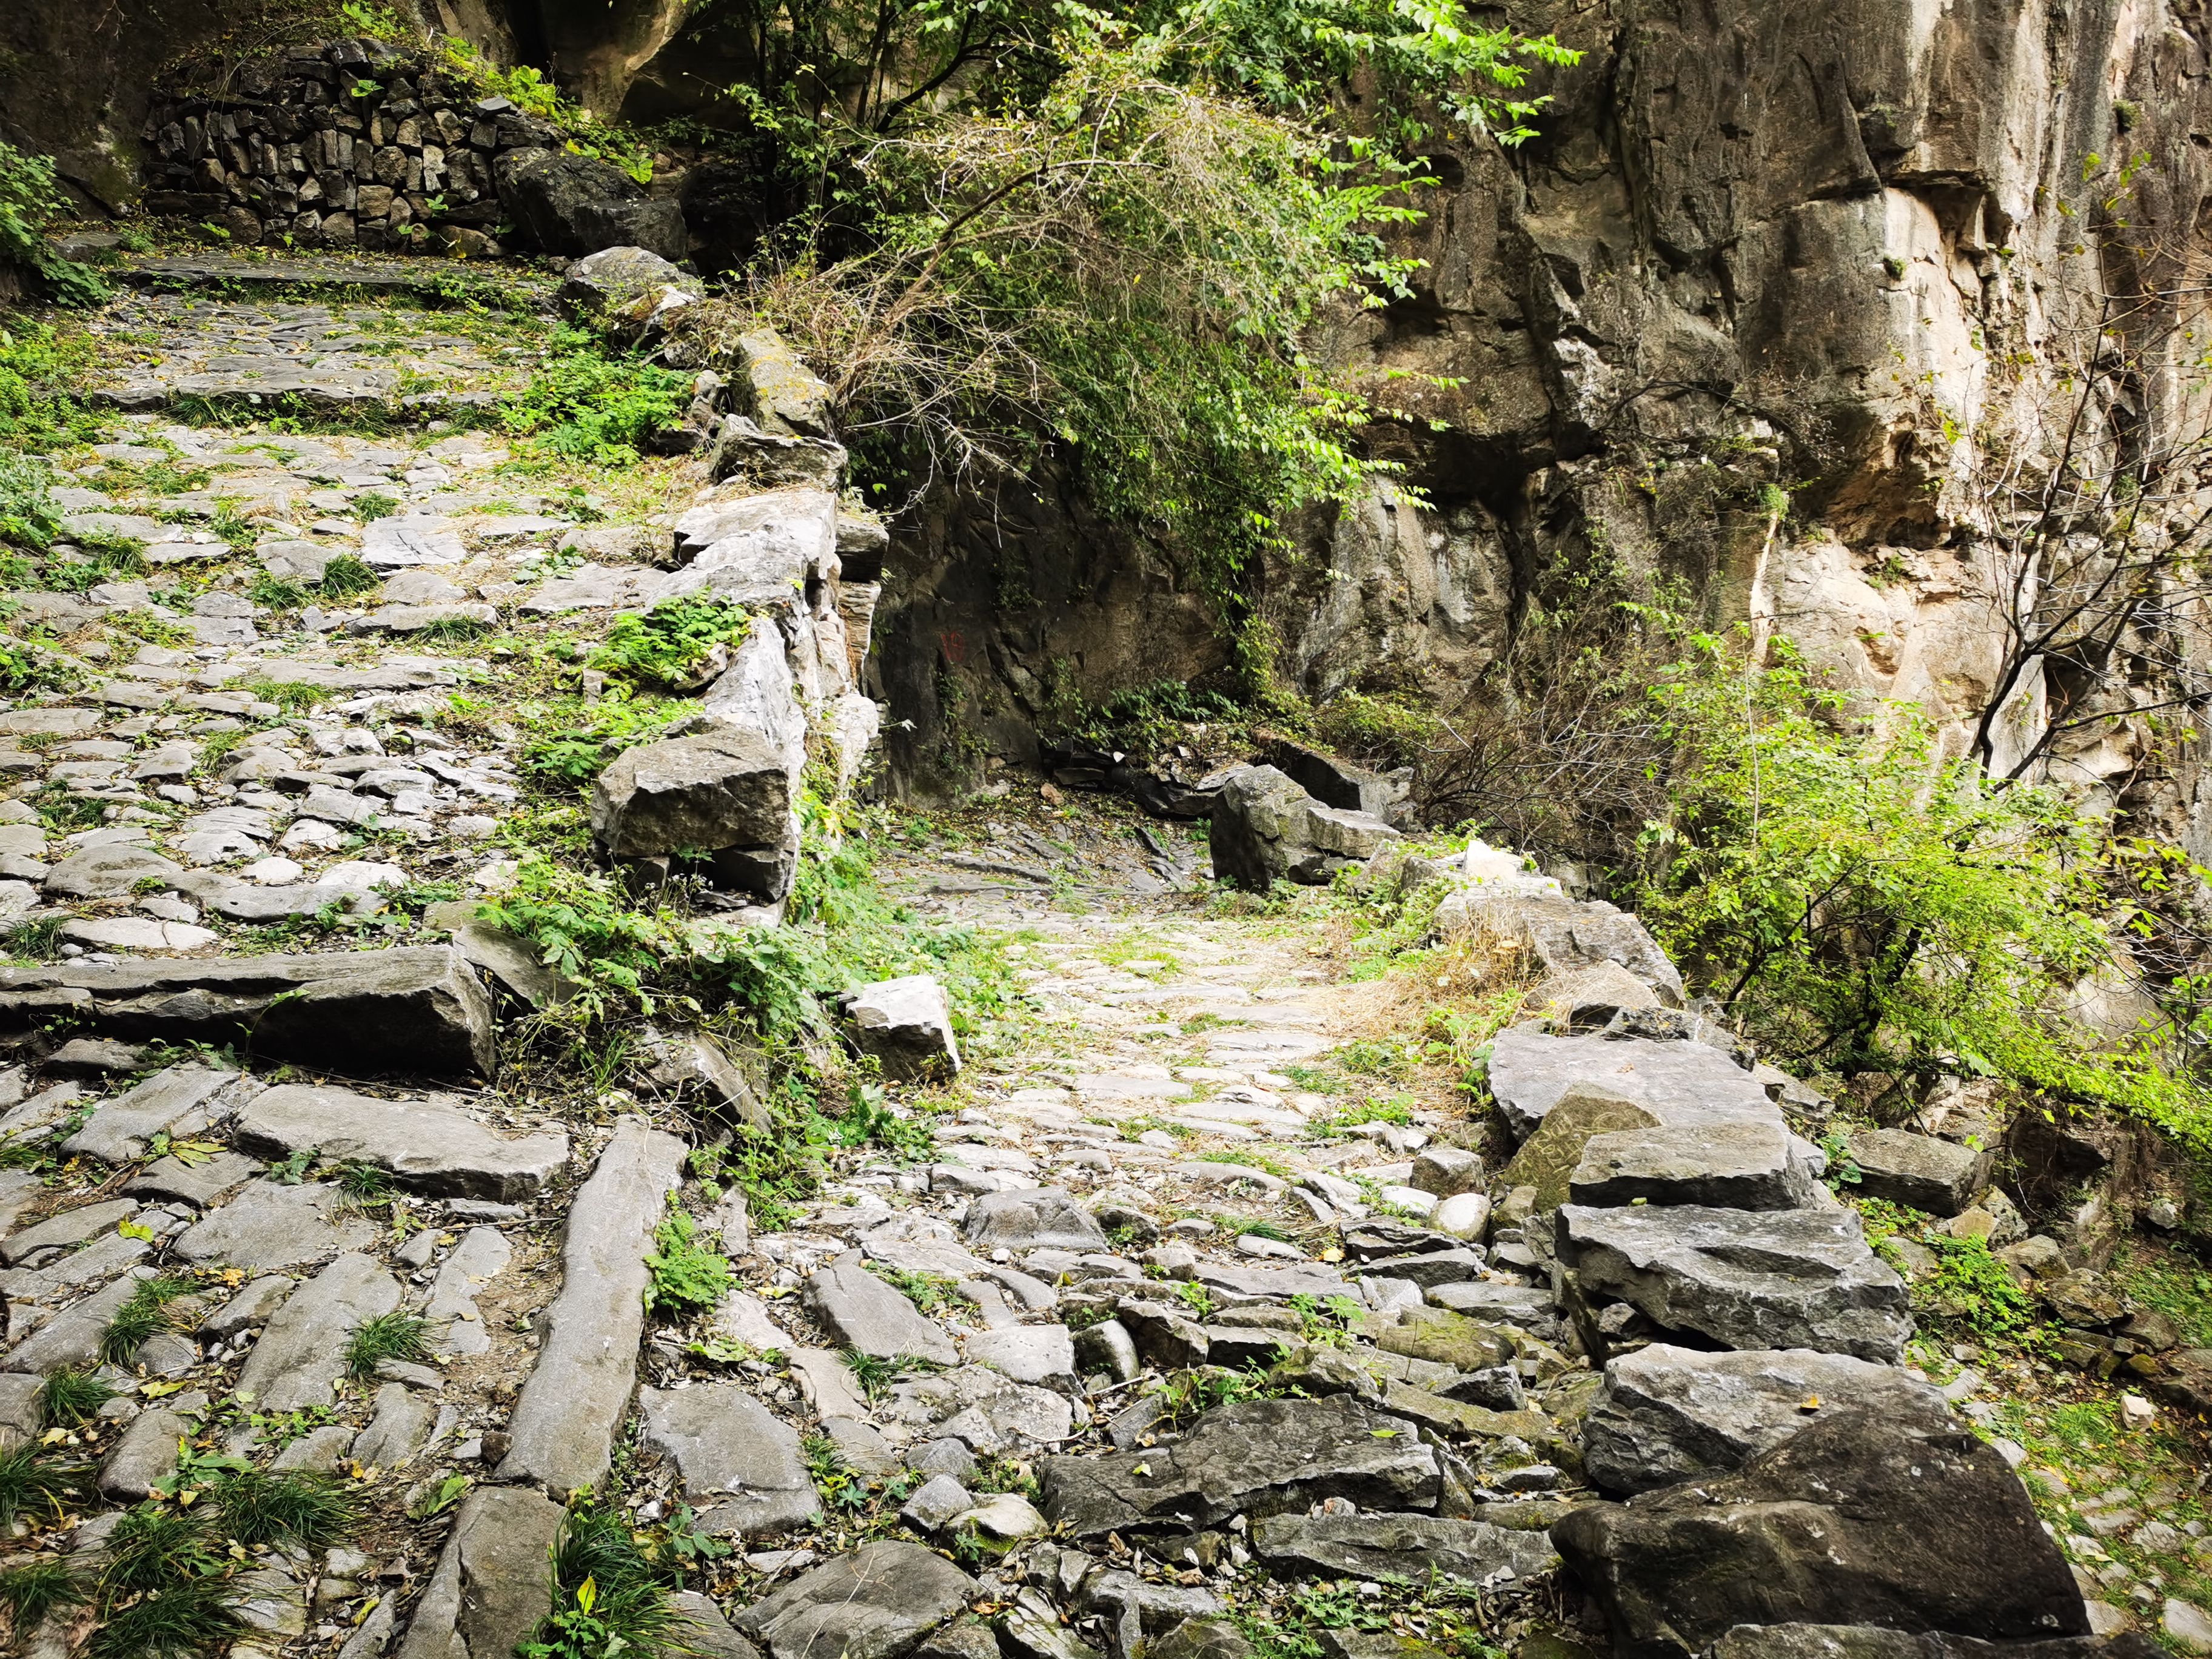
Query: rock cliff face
1755, 245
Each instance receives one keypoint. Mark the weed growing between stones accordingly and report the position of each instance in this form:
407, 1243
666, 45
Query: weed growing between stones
585, 404
262, 1506
688, 1277
608, 1597
70, 1397
30, 1592
400, 1336
33, 1480
668, 648
141, 1316
928, 1291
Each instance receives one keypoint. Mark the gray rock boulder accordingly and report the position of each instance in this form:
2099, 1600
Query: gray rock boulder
416, 1010
112, 869
727, 792
1560, 935
1264, 827
1257, 1457
742, 1467
876, 1603
1861, 1518
1747, 1165
178, 1100
652, 225
1921, 1172
1879, 1642
545, 192
1664, 1414
618, 277
1681, 1084
906, 1024
492, 1585
1744, 1279
1035, 1217
784, 397
300, 1356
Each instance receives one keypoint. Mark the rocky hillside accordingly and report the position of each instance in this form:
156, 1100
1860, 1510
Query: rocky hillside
386, 1274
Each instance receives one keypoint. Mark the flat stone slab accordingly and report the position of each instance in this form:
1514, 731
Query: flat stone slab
1921, 1172
576, 1396
742, 1467
1401, 1546
270, 1225
177, 1102
1685, 1084
1750, 1165
876, 1603
488, 1593
1744, 1279
426, 1147
71, 1338
1258, 1456
70, 1227
1665, 1414
1037, 1218
196, 1184
413, 1010
1028, 1353
300, 1355
866, 1314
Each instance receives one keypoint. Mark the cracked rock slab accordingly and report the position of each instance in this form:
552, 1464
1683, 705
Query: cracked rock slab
864, 1313
876, 1603
426, 1146
271, 1225
1744, 1279
1258, 1457
178, 1102
1679, 1083
1411, 1546
494, 1581
565, 1417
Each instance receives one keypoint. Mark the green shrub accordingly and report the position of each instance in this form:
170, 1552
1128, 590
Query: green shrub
29, 516
608, 1597
1865, 904
665, 647
688, 1277
29, 198
345, 576
401, 1336
585, 404
578, 741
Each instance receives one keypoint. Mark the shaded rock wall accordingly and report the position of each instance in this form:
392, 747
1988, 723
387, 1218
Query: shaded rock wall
1756, 245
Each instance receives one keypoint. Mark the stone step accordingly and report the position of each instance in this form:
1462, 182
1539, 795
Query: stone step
575, 1398
1744, 1279
412, 1009
300, 1356
425, 1145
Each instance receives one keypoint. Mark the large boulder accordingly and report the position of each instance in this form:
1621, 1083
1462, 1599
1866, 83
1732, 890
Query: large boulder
625, 288
654, 225
786, 398
1865, 1518
1558, 934
906, 1024
1742, 1278
1664, 1414
726, 792
1264, 828
546, 192
1257, 1457
1682, 1082
1747, 1165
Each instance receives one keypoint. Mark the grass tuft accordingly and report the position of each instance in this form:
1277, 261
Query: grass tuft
70, 1397
152, 1545
184, 1620
262, 1506
30, 1480
388, 1336
145, 1314
346, 576
32, 1591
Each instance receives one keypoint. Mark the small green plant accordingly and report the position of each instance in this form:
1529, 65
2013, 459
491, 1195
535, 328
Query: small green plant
276, 592
397, 1336
869, 1121
70, 1397
1196, 1297
158, 1544
608, 1597
1970, 1287
180, 1618
688, 1277
141, 1316
369, 507
874, 1376
292, 1506
577, 749
345, 576
928, 1291
31, 1479
29, 198
583, 404
29, 516
665, 647
32, 1591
